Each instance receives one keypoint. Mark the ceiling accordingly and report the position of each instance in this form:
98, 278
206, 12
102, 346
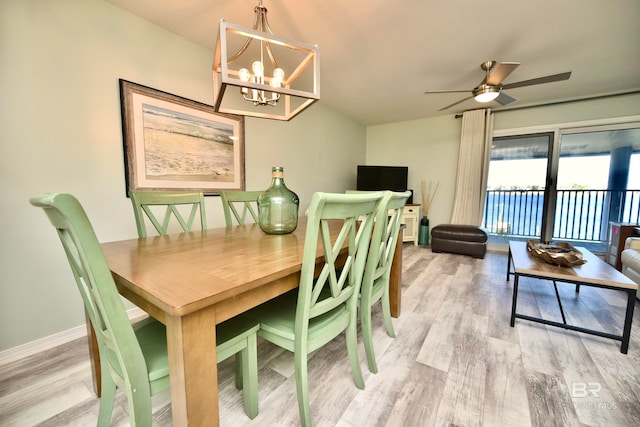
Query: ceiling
378, 57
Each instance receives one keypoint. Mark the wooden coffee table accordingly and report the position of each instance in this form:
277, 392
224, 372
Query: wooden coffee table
595, 272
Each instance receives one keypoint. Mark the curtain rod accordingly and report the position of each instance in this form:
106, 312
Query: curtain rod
566, 101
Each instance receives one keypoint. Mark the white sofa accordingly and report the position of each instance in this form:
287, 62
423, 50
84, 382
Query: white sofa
631, 260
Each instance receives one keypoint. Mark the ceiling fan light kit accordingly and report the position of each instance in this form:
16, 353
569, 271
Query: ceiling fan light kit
486, 93
268, 76
491, 87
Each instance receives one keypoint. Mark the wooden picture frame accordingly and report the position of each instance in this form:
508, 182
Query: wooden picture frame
173, 143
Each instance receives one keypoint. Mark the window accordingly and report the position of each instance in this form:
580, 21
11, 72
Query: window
564, 184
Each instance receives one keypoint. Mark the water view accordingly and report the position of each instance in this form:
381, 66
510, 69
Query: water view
597, 181
183, 147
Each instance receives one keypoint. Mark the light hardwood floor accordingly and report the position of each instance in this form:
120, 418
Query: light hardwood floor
455, 362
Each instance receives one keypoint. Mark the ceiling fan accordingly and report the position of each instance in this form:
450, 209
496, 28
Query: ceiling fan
491, 87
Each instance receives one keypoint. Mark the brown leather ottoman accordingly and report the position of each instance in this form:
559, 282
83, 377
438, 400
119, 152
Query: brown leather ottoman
459, 239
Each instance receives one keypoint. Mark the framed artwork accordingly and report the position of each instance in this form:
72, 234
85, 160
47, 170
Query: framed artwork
173, 143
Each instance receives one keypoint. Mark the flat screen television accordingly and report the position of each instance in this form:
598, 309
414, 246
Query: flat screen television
373, 178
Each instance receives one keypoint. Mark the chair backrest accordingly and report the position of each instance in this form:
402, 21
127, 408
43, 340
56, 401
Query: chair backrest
167, 203
120, 352
336, 284
246, 200
383, 240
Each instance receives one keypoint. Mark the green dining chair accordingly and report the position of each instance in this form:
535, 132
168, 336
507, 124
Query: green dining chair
132, 357
233, 200
323, 307
151, 204
239, 332
377, 273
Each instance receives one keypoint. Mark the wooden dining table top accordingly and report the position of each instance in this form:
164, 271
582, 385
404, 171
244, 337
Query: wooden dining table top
185, 272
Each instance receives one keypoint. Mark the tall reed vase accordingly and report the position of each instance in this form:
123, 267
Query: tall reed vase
423, 233
278, 206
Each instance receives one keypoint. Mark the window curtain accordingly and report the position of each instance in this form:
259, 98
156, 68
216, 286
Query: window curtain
473, 167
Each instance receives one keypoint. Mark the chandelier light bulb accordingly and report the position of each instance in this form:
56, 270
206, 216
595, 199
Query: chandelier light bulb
244, 74
258, 68
278, 75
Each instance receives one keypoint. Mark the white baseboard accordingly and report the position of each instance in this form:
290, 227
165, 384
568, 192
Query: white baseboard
51, 341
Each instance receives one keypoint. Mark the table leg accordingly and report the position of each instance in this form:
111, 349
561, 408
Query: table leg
395, 279
193, 369
555, 287
515, 300
509, 264
626, 331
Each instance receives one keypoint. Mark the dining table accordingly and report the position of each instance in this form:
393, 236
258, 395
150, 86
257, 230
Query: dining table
191, 281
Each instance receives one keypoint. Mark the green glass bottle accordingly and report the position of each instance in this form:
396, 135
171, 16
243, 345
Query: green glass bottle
278, 206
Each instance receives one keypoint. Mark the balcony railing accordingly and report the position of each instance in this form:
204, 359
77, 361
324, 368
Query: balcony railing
581, 215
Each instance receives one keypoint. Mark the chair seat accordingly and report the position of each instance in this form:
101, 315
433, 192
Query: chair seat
231, 335
152, 337
277, 318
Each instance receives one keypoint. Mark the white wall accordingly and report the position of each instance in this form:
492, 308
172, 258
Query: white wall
60, 131
429, 147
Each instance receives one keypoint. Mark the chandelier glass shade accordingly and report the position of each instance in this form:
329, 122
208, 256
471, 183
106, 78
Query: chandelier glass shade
256, 73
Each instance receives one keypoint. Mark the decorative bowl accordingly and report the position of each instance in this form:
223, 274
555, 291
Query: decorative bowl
561, 253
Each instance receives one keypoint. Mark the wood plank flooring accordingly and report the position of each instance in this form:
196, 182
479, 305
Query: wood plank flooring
455, 362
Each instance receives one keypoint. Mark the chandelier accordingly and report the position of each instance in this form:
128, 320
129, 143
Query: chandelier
252, 82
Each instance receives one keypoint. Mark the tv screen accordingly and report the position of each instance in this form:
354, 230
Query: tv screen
373, 178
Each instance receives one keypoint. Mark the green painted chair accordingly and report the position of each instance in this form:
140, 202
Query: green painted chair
132, 357
150, 204
322, 308
244, 345
246, 200
375, 283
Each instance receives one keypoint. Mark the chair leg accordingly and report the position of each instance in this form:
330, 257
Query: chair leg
386, 311
302, 387
107, 399
365, 321
140, 412
352, 348
239, 370
249, 366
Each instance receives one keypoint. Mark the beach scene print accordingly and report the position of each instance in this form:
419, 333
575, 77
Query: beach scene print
183, 147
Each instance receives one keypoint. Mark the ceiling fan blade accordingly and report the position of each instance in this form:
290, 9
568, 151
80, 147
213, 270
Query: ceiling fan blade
500, 72
445, 91
456, 103
539, 80
504, 99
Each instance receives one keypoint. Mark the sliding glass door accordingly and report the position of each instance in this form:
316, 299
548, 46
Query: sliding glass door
595, 184
566, 184
517, 184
